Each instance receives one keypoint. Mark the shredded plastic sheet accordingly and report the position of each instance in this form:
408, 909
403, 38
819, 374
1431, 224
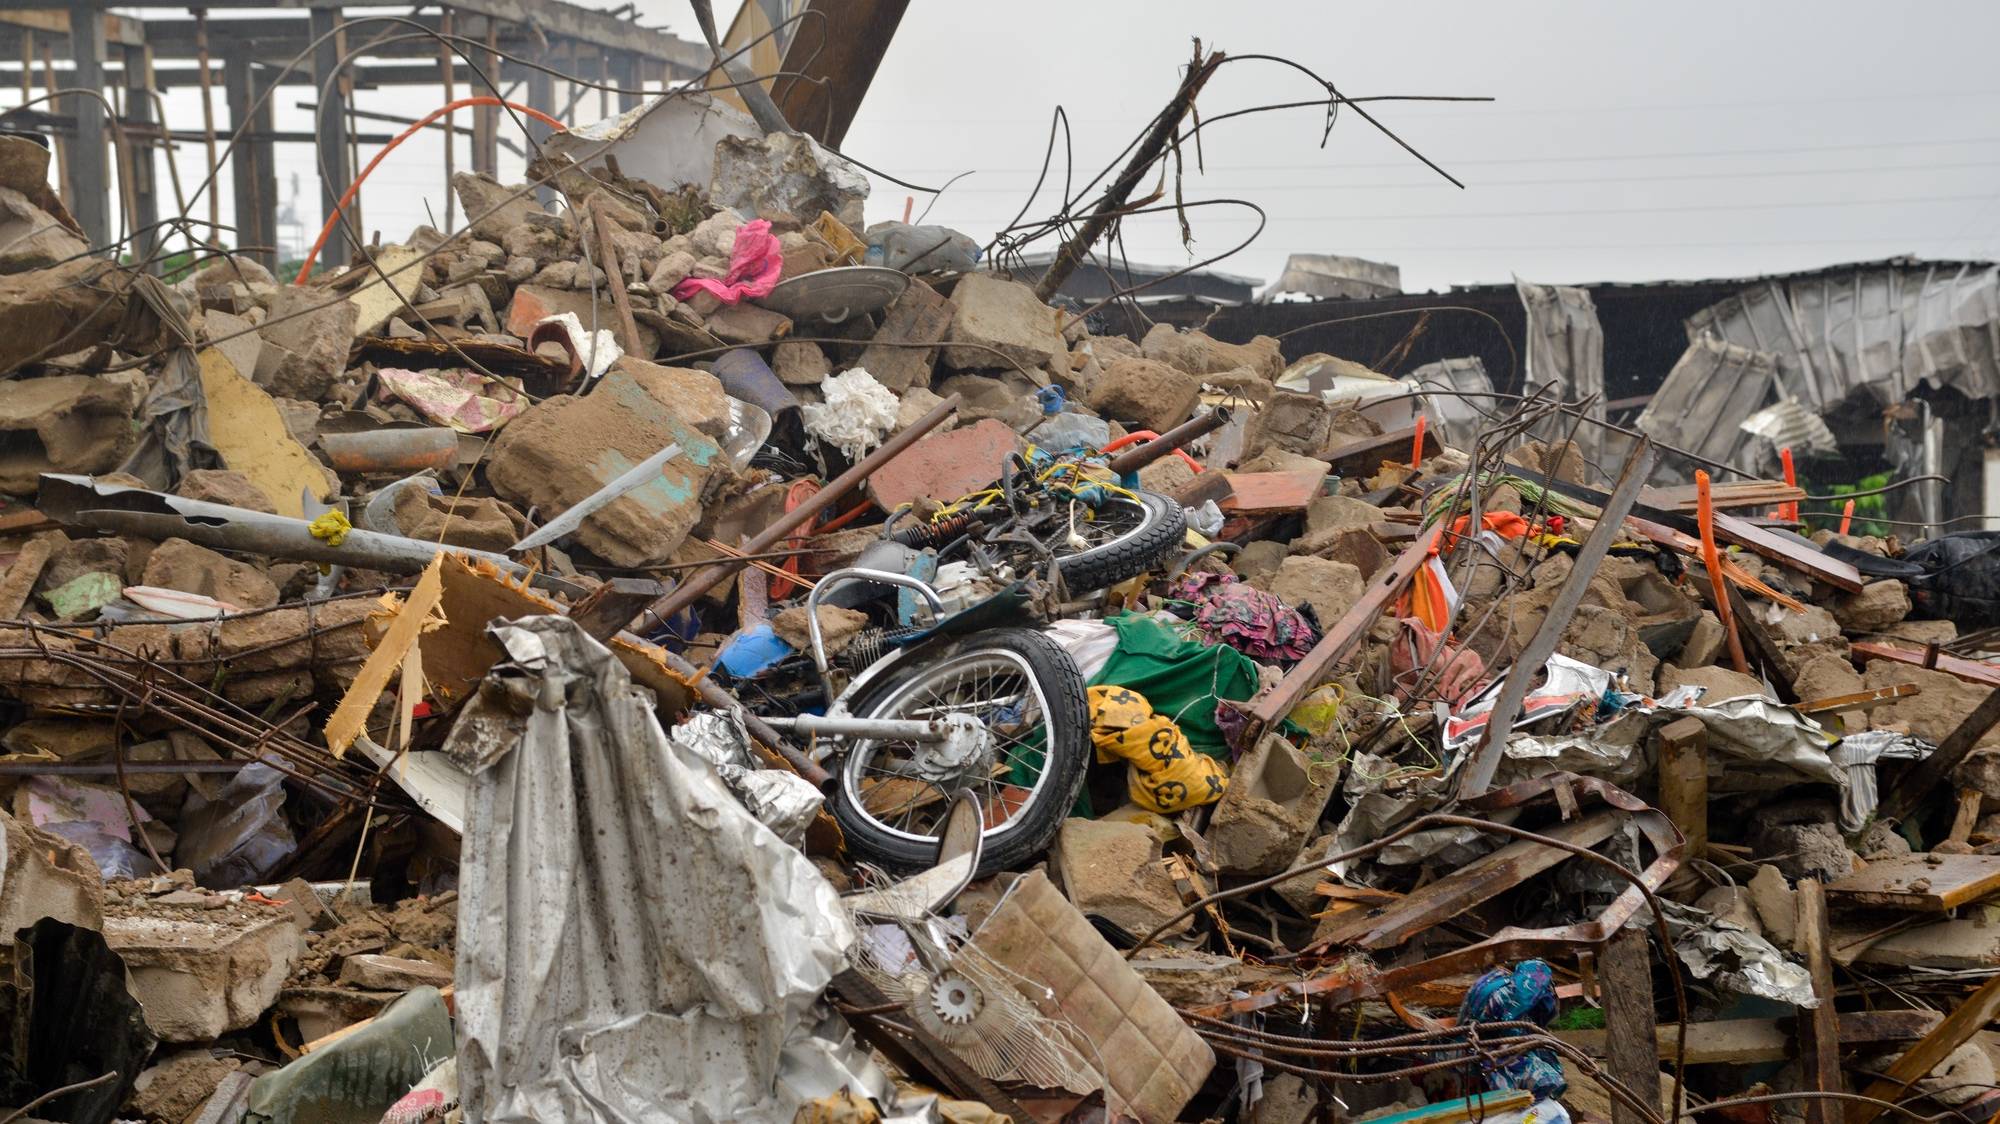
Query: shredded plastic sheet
467, 401
754, 266
857, 413
635, 946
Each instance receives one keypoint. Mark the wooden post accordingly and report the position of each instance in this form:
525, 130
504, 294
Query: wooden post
142, 162
1684, 780
1819, 1028
445, 60
334, 171
91, 175
1625, 969
208, 120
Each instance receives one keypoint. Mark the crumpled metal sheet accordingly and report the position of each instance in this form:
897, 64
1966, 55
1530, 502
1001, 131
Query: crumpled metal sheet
1856, 755
1702, 404
1737, 958
1459, 418
634, 945
1566, 349
781, 800
1763, 732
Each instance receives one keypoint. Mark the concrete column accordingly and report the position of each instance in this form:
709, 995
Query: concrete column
334, 169
625, 68
542, 96
91, 172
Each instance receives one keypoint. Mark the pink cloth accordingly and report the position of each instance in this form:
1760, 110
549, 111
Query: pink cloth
754, 266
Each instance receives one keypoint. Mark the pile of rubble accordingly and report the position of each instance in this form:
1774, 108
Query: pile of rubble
679, 651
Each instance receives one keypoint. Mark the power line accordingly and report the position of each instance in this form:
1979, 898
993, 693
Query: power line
1457, 163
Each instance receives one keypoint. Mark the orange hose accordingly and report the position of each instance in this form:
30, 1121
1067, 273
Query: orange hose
1711, 558
798, 493
1148, 435
305, 271
1417, 447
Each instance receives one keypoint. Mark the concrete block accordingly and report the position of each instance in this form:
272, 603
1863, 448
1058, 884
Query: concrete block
1005, 316
1111, 869
1145, 393
1272, 807
201, 975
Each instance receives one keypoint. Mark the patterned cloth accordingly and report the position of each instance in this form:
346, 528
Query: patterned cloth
1167, 775
1525, 994
1256, 623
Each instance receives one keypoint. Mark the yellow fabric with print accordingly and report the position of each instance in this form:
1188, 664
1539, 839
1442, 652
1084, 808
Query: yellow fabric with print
1166, 774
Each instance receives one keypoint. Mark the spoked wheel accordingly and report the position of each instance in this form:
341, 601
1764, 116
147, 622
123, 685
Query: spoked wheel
1121, 539
1024, 699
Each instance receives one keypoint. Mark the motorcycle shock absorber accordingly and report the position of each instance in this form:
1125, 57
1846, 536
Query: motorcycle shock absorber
933, 534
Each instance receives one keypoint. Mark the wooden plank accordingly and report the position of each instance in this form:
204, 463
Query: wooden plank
1972, 671
1956, 1030
1340, 638
1631, 1035
1803, 557
1769, 657
1929, 883
1363, 458
1478, 881
1684, 780
1859, 698
1741, 493
1752, 1041
1934, 771
1819, 1028
1967, 816
1271, 493
1534, 655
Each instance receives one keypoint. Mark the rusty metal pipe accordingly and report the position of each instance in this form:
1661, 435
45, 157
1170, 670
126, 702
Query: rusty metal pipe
1139, 456
759, 729
701, 581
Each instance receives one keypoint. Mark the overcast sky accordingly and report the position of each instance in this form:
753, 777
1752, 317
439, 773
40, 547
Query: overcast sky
1626, 141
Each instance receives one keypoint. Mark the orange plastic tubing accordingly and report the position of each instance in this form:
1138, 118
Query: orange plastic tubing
325, 232
1712, 560
1148, 435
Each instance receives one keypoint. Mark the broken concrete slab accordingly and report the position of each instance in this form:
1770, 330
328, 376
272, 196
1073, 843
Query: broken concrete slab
31, 238
1199, 353
306, 340
65, 309
998, 323
1942, 702
1112, 869
799, 363
224, 486
66, 423
904, 350
19, 580
180, 564
1776, 903
45, 875
378, 299
1275, 797
1717, 683
203, 973
493, 209
1330, 587
1146, 393
1879, 605
563, 449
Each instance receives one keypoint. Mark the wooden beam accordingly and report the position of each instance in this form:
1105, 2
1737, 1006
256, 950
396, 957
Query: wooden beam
90, 174
1969, 1018
836, 57
1934, 771
1341, 637
1478, 775
1625, 970
1750, 1041
1481, 880
1819, 1028
1923, 883
1684, 780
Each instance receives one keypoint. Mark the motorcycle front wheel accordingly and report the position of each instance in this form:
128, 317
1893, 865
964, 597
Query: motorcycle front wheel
892, 799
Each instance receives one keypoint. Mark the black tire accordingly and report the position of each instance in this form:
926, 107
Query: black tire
1012, 844
1160, 532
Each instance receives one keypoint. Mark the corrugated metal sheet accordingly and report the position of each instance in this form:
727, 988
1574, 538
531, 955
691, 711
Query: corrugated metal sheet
1458, 418
1566, 349
1707, 396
